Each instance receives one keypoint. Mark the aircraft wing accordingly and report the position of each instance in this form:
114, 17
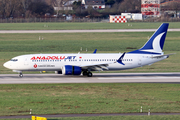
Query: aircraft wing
102, 66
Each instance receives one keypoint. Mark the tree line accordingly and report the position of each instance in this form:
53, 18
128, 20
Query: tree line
38, 8
116, 7
24, 8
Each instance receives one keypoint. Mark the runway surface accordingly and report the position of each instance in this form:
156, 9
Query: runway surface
97, 78
81, 31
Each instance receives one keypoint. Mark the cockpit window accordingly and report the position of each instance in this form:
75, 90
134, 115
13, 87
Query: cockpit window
14, 60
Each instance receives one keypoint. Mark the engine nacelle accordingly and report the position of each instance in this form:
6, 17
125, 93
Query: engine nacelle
71, 70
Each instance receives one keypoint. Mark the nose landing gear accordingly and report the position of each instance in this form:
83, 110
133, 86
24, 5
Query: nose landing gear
20, 75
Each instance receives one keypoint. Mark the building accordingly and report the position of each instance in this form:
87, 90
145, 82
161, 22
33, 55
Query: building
165, 4
166, 1
150, 8
63, 5
96, 4
170, 8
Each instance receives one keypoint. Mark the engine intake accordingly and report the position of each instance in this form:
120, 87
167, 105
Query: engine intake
71, 70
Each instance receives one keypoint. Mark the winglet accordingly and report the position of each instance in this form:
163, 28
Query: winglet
121, 58
95, 51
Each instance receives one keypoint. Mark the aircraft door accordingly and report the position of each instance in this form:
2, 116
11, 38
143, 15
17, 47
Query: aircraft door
140, 60
26, 61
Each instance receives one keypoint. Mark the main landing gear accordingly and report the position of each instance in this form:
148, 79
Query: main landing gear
87, 73
20, 75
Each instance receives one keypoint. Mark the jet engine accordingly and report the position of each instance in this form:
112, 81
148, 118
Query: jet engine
71, 70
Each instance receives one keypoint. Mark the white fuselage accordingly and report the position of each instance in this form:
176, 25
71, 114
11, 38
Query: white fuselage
55, 62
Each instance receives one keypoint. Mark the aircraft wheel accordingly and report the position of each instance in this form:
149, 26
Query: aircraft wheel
20, 75
84, 73
89, 74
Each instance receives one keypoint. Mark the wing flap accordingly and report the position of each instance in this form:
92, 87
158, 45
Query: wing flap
96, 67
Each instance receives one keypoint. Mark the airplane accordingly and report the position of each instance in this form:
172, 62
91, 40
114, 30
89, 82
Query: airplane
77, 64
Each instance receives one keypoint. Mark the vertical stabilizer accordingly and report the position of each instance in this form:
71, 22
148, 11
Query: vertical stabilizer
155, 44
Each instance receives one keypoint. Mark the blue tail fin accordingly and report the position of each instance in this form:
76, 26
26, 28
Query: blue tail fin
155, 44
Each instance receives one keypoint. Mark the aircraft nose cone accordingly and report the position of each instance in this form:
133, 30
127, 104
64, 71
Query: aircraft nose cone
7, 65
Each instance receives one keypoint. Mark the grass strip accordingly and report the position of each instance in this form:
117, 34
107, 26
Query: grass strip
88, 98
84, 26
161, 117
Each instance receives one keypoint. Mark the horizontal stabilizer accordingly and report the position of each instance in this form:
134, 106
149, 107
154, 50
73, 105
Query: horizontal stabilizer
163, 55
